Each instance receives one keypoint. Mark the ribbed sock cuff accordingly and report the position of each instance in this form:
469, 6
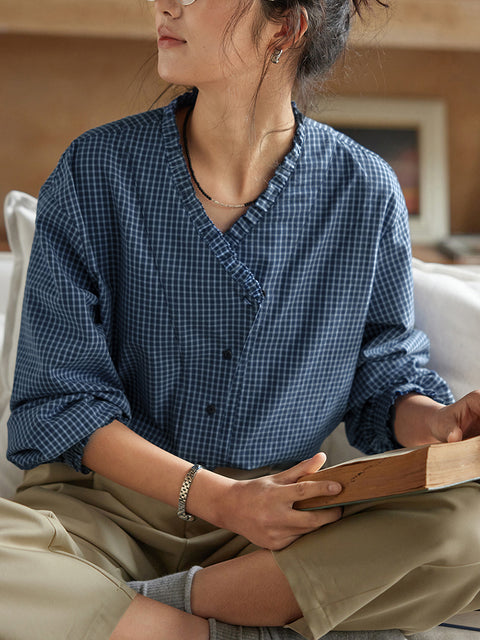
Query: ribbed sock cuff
173, 590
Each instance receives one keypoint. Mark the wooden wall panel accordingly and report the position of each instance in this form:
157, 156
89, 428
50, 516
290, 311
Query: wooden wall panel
451, 24
103, 18
423, 24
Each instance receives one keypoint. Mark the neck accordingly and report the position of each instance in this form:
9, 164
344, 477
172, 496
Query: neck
192, 173
234, 146
239, 120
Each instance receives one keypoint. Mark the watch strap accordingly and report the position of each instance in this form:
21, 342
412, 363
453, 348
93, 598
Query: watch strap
183, 495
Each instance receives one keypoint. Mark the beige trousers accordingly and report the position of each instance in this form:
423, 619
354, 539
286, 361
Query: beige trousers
69, 542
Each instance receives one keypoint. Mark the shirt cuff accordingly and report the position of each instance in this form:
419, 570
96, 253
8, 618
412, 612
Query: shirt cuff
73, 456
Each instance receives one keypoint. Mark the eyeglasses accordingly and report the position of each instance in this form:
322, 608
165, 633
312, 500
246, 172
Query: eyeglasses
184, 2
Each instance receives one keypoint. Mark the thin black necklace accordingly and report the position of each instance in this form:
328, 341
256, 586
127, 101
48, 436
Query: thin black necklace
189, 163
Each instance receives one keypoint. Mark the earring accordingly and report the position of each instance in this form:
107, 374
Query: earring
276, 56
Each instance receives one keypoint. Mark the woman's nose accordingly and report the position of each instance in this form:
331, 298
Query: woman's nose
172, 8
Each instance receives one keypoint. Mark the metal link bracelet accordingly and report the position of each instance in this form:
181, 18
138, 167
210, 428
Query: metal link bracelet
184, 489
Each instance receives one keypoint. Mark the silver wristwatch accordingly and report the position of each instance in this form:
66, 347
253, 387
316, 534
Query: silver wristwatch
184, 489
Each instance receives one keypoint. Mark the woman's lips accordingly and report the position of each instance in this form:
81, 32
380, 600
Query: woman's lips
167, 40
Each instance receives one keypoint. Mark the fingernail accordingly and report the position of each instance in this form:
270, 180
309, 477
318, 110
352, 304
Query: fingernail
334, 487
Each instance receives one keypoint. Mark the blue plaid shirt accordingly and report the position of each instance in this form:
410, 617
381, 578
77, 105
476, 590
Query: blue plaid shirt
240, 349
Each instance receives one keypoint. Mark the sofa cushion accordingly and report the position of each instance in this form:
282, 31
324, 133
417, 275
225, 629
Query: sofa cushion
19, 213
447, 308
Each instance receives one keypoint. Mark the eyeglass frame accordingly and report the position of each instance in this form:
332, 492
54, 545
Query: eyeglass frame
185, 3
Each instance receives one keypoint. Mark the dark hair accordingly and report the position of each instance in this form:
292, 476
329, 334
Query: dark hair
315, 53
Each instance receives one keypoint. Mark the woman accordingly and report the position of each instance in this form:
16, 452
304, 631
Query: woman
220, 283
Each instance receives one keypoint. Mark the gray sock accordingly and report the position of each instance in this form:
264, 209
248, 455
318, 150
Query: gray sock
222, 631
173, 590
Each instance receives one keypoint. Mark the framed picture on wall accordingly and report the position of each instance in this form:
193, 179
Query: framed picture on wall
411, 135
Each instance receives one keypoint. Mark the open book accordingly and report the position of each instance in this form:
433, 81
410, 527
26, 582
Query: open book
426, 468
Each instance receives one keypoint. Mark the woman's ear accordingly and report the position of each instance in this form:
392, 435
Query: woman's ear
293, 29
303, 24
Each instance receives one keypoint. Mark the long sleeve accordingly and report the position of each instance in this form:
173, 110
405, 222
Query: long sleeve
66, 385
393, 354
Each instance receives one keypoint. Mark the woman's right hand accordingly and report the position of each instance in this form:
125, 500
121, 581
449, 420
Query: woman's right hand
262, 509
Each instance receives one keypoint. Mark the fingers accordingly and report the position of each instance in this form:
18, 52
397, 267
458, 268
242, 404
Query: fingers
264, 510
459, 420
301, 523
469, 421
455, 435
306, 521
322, 517
292, 491
302, 469
312, 489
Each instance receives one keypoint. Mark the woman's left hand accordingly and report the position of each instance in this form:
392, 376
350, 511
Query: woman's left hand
458, 421
420, 420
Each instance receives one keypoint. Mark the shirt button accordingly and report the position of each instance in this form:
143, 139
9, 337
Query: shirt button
227, 354
211, 409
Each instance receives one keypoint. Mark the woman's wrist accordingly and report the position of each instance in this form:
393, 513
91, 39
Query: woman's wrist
211, 497
416, 419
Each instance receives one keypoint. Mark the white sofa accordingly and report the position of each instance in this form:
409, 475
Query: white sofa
447, 306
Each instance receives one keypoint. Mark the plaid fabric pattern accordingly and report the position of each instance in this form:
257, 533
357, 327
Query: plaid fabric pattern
239, 349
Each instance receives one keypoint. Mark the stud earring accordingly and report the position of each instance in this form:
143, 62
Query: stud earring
276, 56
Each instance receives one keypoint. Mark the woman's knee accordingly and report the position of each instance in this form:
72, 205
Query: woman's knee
453, 528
